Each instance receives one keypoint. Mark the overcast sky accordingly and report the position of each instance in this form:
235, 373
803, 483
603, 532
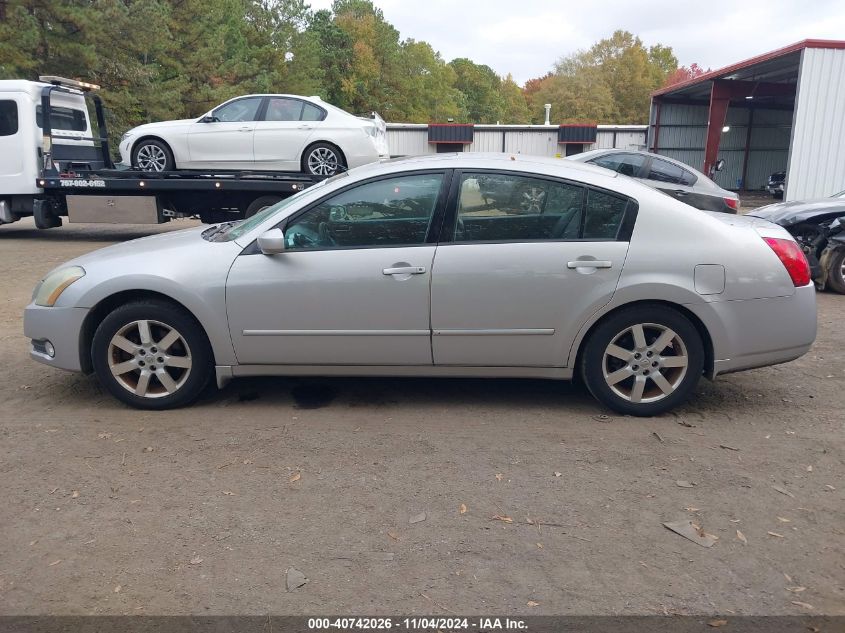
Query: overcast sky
526, 37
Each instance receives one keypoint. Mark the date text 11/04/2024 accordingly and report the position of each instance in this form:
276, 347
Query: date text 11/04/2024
480, 624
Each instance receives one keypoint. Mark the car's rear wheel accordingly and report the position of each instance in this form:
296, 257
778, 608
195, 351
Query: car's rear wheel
836, 274
322, 159
150, 154
643, 360
152, 355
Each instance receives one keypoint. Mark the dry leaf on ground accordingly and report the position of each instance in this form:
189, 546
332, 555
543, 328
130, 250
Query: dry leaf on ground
463, 508
295, 477
741, 537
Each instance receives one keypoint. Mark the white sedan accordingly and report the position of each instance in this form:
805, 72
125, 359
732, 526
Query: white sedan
260, 132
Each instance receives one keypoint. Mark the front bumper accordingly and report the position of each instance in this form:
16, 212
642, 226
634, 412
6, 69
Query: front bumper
62, 327
125, 154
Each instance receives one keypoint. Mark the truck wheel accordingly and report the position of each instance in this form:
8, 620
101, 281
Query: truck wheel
836, 273
151, 154
643, 360
322, 159
152, 355
259, 204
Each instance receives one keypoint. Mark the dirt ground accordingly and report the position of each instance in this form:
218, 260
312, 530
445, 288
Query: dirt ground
536, 500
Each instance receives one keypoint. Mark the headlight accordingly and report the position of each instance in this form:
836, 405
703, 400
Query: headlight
127, 135
48, 291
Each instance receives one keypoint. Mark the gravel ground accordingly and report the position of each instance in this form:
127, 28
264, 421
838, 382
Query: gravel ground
535, 500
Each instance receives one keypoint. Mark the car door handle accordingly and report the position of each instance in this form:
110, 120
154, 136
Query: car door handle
306, 127
590, 263
405, 270
245, 129
680, 192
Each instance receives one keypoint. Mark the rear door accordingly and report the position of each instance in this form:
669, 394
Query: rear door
225, 143
525, 262
283, 132
676, 181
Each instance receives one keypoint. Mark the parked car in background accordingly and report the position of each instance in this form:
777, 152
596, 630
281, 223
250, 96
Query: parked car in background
403, 269
775, 184
819, 227
260, 132
667, 175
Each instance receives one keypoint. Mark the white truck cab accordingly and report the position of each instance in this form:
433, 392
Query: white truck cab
23, 142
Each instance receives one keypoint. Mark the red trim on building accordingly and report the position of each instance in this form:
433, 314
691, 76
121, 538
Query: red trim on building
765, 57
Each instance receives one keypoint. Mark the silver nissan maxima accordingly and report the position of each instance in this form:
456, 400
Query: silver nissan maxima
448, 265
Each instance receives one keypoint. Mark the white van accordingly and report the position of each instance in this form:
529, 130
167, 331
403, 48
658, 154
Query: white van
22, 139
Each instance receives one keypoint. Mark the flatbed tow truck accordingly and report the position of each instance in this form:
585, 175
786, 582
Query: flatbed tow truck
76, 178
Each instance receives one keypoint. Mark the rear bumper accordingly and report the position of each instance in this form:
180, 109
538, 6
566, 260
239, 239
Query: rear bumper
760, 332
61, 327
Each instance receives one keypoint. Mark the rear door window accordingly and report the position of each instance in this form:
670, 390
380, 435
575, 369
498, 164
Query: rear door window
626, 164
8, 118
664, 171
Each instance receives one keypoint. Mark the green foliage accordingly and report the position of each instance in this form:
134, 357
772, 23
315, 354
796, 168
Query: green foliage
170, 59
610, 82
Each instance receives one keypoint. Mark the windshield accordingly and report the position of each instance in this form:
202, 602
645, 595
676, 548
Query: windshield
234, 230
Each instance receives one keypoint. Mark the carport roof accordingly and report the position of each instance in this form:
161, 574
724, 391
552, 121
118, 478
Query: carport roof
779, 66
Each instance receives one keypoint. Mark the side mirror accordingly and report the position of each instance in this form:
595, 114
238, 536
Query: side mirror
720, 164
209, 118
272, 242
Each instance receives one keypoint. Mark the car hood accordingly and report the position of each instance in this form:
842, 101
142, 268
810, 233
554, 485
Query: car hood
171, 125
790, 213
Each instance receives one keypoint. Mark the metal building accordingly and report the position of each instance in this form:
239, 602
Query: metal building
412, 139
782, 111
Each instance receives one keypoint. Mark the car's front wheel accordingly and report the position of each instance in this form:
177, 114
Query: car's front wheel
322, 159
643, 360
152, 155
152, 355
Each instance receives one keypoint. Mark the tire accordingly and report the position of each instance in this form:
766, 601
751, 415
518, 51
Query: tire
836, 273
259, 204
151, 154
322, 159
175, 375
613, 381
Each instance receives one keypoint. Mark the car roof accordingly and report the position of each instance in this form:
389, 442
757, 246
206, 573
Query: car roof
592, 174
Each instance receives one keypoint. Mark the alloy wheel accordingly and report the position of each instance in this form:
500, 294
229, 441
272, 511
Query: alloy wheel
149, 358
322, 161
151, 158
645, 363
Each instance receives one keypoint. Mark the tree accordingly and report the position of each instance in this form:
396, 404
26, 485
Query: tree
481, 87
684, 73
514, 105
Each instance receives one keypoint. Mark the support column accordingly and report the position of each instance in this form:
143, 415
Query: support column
720, 98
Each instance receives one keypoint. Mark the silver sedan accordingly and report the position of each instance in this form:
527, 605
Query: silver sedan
449, 265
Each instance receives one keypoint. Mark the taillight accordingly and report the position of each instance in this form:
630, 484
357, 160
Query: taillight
792, 258
733, 203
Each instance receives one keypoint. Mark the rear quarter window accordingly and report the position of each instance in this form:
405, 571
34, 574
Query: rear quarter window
604, 216
69, 119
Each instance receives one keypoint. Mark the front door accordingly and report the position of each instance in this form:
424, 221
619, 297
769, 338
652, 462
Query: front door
531, 259
227, 141
351, 288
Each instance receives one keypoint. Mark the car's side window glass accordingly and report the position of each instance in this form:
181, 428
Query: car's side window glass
689, 178
63, 119
627, 164
664, 171
504, 207
312, 113
283, 109
238, 111
603, 215
8, 118
389, 212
